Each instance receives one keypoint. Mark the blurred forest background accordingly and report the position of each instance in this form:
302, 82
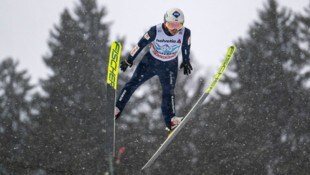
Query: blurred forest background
259, 123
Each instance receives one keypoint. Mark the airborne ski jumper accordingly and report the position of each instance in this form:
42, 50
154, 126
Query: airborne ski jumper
167, 40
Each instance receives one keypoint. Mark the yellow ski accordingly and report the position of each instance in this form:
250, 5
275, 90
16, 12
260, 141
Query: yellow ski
112, 78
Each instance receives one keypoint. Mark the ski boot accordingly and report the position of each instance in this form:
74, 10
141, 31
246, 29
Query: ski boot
175, 121
117, 113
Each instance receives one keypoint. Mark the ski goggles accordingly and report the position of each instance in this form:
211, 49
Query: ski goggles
174, 25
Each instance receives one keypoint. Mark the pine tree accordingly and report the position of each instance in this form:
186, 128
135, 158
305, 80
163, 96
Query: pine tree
253, 129
304, 25
15, 117
70, 136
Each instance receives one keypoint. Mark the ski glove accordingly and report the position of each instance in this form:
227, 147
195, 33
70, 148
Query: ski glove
187, 67
125, 64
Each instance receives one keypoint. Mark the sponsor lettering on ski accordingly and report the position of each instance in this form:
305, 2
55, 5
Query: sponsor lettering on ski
217, 77
113, 65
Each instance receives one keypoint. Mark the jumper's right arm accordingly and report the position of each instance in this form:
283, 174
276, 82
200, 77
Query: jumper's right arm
148, 37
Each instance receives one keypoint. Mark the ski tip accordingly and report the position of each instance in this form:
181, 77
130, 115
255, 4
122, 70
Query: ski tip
231, 51
233, 48
116, 42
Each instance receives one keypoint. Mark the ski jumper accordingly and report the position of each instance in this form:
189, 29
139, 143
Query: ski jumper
162, 61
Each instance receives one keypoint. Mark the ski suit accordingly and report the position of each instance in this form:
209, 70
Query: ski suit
161, 60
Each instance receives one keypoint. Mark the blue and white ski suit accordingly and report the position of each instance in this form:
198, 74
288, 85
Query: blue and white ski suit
160, 60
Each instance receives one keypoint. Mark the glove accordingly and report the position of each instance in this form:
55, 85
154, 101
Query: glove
125, 64
187, 67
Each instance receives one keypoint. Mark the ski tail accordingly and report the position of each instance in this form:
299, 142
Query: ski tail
189, 115
112, 78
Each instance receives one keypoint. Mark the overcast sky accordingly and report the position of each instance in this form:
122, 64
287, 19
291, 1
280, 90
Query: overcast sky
215, 24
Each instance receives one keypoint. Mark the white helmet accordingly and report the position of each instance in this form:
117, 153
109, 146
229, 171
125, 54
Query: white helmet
174, 15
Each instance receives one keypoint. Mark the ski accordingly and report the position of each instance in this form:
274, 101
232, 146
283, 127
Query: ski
112, 78
229, 55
